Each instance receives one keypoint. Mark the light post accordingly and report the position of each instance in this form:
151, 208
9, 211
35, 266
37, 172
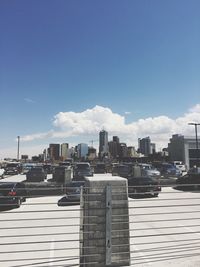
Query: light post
197, 146
18, 139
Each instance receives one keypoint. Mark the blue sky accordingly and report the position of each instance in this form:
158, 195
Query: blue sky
136, 59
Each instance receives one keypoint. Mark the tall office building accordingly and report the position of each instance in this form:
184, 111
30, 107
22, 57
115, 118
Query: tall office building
144, 145
54, 151
152, 148
64, 151
123, 150
103, 143
82, 150
116, 139
114, 147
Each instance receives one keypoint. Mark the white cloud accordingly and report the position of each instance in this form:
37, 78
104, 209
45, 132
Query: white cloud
127, 112
28, 100
36, 136
91, 121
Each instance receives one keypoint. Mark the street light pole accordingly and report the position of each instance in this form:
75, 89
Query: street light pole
197, 145
18, 138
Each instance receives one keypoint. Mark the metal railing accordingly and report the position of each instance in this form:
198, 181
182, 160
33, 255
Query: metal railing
161, 229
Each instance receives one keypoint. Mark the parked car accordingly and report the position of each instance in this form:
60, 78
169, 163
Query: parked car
123, 170
140, 186
26, 167
169, 170
149, 170
194, 170
81, 170
12, 168
73, 194
190, 181
100, 168
180, 165
36, 174
12, 194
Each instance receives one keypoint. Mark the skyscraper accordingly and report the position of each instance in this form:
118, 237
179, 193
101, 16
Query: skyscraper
82, 150
64, 150
103, 143
114, 147
54, 151
145, 145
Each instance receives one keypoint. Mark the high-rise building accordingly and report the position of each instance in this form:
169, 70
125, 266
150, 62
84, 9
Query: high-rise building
144, 145
82, 150
71, 153
64, 151
152, 148
114, 147
123, 150
116, 139
54, 151
103, 143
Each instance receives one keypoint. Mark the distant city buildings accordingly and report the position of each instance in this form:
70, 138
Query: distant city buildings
114, 147
82, 150
54, 152
103, 144
64, 151
145, 146
123, 152
180, 148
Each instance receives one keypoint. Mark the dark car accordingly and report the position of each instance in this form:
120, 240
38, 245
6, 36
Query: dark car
12, 194
190, 181
36, 174
81, 170
140, 186
123, 170
73, 194
12, 169
100, 168
48, 168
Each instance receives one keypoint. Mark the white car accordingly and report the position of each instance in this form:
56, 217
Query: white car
149, 170
180, 165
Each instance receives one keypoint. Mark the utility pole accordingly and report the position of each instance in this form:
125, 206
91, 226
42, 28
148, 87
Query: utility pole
196, 136
18, 140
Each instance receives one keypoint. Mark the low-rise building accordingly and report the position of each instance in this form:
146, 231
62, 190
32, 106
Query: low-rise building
184, 149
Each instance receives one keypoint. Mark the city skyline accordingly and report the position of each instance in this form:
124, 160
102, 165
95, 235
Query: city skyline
69, 69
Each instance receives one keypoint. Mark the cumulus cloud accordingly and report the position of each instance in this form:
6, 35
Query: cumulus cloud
91, 121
